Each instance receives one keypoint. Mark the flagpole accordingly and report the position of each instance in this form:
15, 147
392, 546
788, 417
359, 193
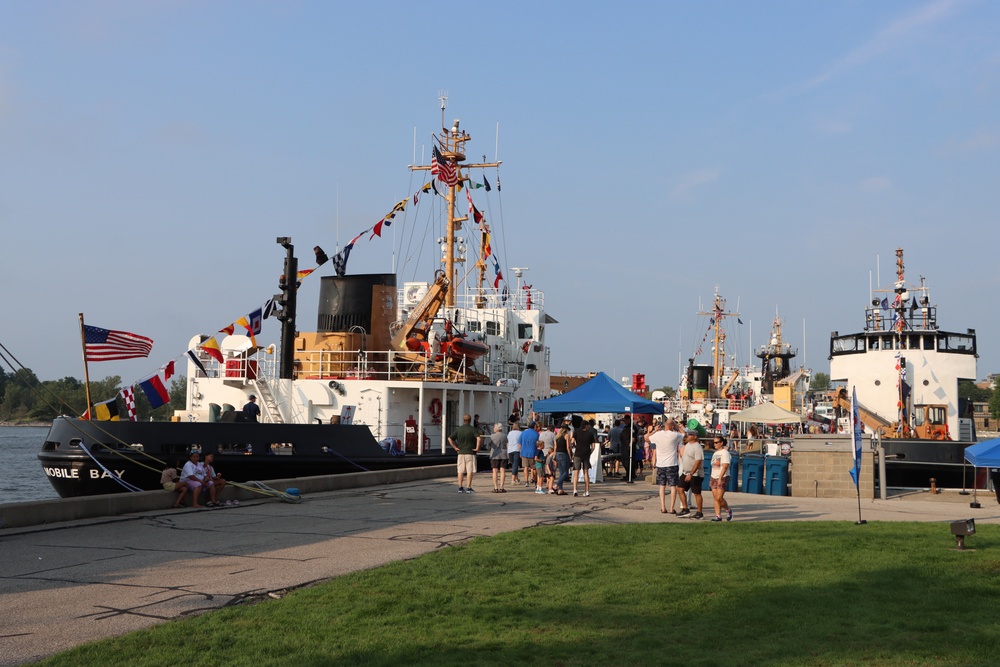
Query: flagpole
860, 521
86, 370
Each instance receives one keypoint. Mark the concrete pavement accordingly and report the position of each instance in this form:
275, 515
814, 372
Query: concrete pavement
68, 583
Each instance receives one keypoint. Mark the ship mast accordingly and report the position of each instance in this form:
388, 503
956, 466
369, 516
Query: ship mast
899, 305
719, 347
452, 149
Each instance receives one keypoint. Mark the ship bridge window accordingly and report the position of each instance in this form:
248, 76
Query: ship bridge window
928, 342
474, 325
957, 343
492, 328
847, 345
524, 331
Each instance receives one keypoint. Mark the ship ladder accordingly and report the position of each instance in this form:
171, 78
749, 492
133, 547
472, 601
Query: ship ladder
270, 404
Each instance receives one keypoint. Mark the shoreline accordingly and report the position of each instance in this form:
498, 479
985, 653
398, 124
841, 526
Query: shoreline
35, 424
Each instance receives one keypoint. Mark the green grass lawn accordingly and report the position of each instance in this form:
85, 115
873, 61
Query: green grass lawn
675, 593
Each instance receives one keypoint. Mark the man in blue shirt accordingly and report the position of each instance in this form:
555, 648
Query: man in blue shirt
252, 410
529, 447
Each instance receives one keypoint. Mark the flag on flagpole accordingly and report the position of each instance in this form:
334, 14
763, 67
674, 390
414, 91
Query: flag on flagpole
212, 349
856, 436
197, 362
109, 345
128, 396
443, 169
155, 391
106, 411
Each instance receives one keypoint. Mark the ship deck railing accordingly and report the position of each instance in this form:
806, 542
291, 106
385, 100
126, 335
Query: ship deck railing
525, 299
358, 365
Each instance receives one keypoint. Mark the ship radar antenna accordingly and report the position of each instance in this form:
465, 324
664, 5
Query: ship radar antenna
443, 96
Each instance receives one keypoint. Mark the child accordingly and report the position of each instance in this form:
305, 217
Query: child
551, 468
171, 482
539, 469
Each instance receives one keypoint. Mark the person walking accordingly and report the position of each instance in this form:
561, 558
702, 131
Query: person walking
529, 447
583, 446
466, 441
692, 473
514, 451
498, 457
562, 458
663, 441
721, 461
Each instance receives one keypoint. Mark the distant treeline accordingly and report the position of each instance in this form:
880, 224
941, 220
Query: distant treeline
25, 398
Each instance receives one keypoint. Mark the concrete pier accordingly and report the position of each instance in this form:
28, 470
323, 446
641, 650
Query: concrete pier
75, 581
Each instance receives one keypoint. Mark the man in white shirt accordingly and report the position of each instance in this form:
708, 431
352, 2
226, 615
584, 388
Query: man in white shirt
664, 440
514, 450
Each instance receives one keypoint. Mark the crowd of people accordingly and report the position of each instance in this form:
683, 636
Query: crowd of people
542, 456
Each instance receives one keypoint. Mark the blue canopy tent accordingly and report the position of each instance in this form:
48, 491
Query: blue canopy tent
599, 394
985, 454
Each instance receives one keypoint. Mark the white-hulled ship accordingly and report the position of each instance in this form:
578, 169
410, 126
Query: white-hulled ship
381, 383
906, 371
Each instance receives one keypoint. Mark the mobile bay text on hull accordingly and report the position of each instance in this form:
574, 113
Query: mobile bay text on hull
402, 363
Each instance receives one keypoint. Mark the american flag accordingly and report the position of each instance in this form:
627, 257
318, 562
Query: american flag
444, 170
109, 345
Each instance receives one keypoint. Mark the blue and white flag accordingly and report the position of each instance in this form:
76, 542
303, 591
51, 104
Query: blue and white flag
856, 436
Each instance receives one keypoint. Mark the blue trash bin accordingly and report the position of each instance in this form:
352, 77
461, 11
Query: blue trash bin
734, 473
776, 476
753, 473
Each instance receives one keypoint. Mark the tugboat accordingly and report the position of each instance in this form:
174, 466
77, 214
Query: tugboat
387, 375
906, 370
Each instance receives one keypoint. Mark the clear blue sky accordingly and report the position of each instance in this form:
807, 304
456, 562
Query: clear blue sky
150, 153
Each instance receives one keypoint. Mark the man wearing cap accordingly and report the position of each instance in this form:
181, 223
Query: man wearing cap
692, 472
251, 409
663, 443
529, 448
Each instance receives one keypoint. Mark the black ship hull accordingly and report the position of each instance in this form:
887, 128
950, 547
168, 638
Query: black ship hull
82, 458
914, 463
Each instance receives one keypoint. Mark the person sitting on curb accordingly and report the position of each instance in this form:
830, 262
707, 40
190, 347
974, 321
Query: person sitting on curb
171, 482
215, 478
194, 476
